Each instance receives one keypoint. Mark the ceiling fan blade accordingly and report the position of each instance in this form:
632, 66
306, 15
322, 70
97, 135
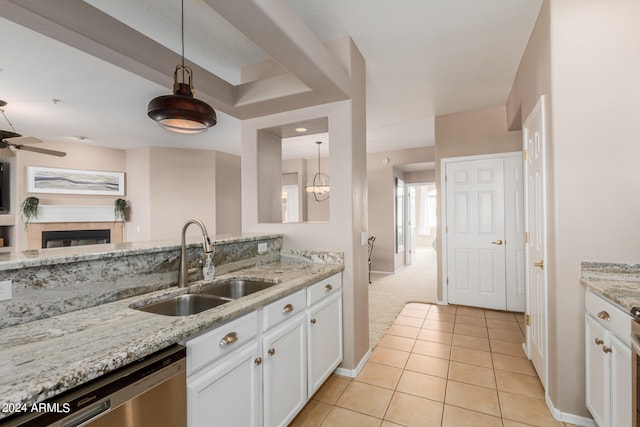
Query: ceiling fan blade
23, 140
40, 150
6, 152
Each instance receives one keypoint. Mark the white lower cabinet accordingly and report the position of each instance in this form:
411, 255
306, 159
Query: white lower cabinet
607, 363
262, 368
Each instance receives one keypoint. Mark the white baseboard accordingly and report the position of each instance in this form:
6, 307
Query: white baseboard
352, 373
568, 418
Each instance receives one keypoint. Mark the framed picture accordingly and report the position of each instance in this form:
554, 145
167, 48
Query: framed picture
74, 181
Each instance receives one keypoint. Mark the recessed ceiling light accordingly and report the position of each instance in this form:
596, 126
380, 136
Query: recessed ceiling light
301, 129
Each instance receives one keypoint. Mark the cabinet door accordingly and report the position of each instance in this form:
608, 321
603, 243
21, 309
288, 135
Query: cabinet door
324, 340
229, 393
620, 364
284, 374
597, 378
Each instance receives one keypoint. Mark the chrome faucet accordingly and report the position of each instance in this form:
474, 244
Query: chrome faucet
206, 247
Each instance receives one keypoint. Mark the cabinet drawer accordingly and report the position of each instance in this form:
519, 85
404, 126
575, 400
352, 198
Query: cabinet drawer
324, 288
608, 315
283, 309
220, 341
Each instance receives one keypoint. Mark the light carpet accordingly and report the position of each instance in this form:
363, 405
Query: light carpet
389, 293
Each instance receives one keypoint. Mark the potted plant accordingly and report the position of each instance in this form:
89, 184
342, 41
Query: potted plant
120, 209
29, 209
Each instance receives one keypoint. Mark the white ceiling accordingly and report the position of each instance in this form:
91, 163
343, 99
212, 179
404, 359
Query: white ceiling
424, 58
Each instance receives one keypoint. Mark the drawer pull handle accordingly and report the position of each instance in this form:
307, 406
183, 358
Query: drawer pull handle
607, 349
603, 315
271, 351
313, 321
328, 288
599, 341
229, 339
258, 361
287, 309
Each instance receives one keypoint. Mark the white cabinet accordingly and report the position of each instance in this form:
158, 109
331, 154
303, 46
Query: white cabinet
607, 362
324, 340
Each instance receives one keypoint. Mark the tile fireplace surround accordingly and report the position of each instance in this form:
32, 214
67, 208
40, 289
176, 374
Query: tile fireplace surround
34, 230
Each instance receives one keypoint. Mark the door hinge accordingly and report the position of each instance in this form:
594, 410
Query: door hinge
526, 237
527, 319
525, 154
447, 281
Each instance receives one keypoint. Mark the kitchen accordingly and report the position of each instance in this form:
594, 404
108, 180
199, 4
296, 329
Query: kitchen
578, 132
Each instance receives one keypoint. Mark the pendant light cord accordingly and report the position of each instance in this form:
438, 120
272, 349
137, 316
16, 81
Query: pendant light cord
182, 33
8, 121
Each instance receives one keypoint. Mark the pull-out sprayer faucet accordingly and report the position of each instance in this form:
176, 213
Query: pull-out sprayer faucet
206, 247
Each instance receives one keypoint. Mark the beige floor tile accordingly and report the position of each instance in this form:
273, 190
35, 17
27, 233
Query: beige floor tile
331, 390
458, 417
410, 411
471, 356
430, 348
389, 424
340, 417
418, 306
441, 316
397, 343
500, 315
422, 385
472, 397
437, 325
516, 364
449, 309
511, 335
474, 331
420, 314
380, 375
524, 385
470, 311
472, 374
312, 414
435, 336
506, 347
526, 410
476, 343
389, 357
520, 317
502, 324
428, 365
416, 322
366, 399
403, 331
469, 320
509, 423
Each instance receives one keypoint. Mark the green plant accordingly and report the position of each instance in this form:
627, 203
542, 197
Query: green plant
29, 209
120, 209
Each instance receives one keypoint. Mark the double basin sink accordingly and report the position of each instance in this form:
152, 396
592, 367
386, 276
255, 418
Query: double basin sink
206, 298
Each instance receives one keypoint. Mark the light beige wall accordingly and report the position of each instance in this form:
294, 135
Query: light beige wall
79, 156
138, 226
348, 196
381, 195
182, 187
228, 191
418, 177
467, 134
269, 167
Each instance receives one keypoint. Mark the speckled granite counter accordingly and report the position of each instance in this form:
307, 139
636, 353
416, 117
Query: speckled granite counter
46, 357
618, 283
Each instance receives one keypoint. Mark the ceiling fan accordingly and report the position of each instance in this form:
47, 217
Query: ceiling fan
12, 139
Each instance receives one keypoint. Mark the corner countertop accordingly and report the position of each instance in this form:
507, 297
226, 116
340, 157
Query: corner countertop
618, 283
46, 357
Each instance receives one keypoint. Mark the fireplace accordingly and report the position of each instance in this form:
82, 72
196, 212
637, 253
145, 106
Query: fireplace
63, 238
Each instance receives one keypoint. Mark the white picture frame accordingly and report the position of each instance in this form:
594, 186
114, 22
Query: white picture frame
74, 181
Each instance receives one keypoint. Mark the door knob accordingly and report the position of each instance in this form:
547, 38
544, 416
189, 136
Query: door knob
539, 264
497, 242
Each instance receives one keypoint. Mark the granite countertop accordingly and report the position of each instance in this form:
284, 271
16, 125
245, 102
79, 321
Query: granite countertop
43, 358
618, 283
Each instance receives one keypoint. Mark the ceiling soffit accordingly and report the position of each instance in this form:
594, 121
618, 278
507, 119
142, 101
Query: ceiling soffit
314, 75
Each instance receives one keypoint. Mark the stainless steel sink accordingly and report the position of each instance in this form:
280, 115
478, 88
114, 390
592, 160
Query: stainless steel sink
236, 288
183, 305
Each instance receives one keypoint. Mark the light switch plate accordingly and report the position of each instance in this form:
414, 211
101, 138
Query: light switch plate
262, 248
5, 290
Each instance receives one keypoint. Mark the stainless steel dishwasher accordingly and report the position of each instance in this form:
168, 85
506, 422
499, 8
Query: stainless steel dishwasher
149, 392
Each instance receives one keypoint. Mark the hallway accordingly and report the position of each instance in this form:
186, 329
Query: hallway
438, 366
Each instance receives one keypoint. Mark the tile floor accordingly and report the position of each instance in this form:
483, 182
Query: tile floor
438, 366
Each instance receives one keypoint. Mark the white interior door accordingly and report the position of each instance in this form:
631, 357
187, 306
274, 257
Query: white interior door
475, 233
410, 226
536, 245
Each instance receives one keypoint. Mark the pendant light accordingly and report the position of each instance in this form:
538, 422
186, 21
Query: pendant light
318, 184
181, 112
